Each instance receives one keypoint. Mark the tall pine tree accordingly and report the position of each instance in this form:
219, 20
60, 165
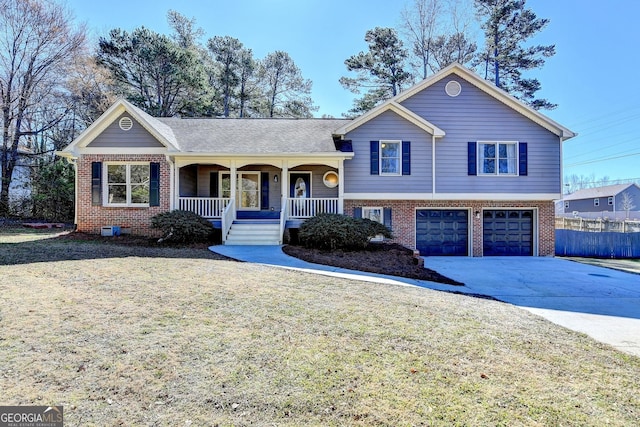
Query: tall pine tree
508, 25
381, 70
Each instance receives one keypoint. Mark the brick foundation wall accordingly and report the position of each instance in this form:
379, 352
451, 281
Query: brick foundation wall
403, 218
91, 218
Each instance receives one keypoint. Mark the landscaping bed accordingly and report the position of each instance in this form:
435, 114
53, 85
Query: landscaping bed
382, 258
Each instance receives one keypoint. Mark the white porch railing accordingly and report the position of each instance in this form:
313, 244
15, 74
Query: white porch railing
207, 207
306, 208
228, 216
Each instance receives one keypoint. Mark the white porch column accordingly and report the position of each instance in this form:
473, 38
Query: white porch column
174, 202
341, 186
284, 182
234, 180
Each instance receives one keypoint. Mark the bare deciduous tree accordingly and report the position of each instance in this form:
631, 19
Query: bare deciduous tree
626, 203
37, 44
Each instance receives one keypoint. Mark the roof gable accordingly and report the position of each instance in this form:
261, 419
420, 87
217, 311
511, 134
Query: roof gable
399, 110
474, 80
160, 131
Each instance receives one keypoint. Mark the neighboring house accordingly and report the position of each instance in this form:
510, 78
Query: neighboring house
20, 187
454, 166
610, 198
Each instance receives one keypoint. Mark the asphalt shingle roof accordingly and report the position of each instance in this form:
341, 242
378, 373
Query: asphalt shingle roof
254, 136
590, 193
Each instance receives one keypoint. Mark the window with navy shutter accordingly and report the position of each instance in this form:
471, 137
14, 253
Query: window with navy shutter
375, 157
126, 184
497, 158
472, 162
96, 183
390, 157
522, 160
154, 185
406, 158
387, 218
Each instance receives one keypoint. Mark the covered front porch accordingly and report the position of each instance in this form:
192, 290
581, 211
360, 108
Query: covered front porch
254, 200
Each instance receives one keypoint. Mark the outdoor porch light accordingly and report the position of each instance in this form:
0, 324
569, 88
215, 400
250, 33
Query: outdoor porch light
330, 179
478, 214
275, 178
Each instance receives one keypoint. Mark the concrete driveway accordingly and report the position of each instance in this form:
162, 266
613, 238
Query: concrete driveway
600, 302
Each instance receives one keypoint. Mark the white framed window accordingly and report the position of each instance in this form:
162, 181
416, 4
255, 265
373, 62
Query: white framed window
596, 202
498, 158
127, 184
374, 214
610, 200
390, 157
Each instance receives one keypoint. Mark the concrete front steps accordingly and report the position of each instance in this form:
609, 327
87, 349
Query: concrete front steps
254, 232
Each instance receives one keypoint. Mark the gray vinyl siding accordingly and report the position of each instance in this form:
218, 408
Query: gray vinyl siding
388, 126
477, 116
115, 137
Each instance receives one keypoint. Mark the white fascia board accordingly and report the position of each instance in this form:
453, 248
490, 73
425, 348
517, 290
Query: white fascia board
454, 196
121, 150
399, 110
276, 160
336, 155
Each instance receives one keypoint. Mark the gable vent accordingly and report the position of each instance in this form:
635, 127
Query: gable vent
453, 88
125, 123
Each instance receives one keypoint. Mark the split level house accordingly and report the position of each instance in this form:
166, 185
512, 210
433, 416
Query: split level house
453, 166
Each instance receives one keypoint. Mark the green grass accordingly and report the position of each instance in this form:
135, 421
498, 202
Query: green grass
133, 335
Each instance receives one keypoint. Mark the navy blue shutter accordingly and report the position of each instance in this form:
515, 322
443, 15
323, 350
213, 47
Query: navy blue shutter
96, 183
154, 184
213, 184
522, 153
375, 157
357, 212
264, 190
472, 156
406, 158
387, 217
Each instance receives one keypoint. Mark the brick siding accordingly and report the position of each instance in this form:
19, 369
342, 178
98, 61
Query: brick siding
403, 218
138, 219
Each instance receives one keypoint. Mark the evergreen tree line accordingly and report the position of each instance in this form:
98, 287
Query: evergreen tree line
53, 83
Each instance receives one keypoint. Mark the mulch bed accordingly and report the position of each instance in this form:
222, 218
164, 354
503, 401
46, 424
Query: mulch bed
382, 258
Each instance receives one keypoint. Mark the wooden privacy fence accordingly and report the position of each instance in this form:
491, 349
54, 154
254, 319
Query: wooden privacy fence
598, 245
597, 225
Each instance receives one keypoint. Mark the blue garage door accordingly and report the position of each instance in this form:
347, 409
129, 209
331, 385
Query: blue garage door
442, 232
507, 233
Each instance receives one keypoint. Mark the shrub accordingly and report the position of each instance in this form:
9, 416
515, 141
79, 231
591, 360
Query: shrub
182, 227
335, 231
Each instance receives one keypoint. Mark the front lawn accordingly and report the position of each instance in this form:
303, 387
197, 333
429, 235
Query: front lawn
137, 335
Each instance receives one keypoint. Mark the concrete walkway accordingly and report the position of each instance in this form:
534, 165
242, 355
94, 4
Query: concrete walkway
600, 302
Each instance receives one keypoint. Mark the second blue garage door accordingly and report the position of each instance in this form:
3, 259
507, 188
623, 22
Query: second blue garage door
507, 233
442, 232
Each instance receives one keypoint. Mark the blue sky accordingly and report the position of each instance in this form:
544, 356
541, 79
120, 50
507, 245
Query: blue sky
592, 77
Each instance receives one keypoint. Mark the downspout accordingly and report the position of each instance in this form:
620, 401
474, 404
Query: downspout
433, 166
74, 162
